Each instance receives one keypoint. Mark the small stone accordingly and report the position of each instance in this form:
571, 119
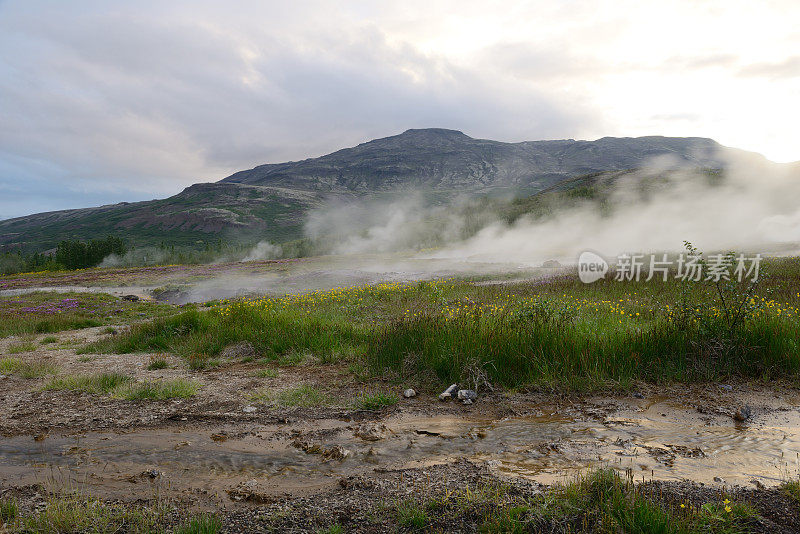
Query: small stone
743, 414
467, 394
249, 409
466, 401
638, 395
409, 393
3, 377
448, 393
726, 387
719, 479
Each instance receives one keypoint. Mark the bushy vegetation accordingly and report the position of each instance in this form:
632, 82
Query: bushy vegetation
600, 501
554, 332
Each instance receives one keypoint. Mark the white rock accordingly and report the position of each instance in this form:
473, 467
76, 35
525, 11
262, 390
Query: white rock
448, 393
249, 409
409, 393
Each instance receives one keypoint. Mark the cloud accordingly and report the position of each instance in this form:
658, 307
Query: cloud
788, 68
122, 101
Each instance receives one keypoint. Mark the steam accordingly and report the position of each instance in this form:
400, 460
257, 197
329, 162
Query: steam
751, 206
754, 209
264, 250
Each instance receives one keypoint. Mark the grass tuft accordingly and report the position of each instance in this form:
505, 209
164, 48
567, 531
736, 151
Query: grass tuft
8, 510
200, 524
9, 365
102, 383
266, 373
124, 387
376, 401
411, 516
23, 346
792, 489
36, 369
156, 364
74, 514
305, 396
27, 370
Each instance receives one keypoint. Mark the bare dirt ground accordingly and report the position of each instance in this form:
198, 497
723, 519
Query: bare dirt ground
228, 449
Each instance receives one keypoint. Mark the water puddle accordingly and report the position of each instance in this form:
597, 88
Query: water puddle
656, 440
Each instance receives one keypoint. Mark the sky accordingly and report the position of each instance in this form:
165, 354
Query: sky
105, 101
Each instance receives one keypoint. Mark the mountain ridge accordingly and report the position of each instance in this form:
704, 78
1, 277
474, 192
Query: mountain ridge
439, 158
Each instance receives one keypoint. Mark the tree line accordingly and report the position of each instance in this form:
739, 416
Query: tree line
69, 254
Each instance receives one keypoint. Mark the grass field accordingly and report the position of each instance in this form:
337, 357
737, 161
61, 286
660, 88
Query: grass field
556, 332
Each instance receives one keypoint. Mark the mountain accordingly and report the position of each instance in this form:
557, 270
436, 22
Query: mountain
199, 214
269, 201
435, 158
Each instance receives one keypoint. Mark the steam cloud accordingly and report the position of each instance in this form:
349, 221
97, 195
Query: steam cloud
753, 207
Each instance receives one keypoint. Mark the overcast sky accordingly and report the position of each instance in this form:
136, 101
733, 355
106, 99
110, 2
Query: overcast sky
108, 101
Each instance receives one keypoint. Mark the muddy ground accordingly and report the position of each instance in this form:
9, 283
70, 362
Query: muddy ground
263, 464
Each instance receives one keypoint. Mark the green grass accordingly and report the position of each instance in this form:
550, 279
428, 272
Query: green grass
8, 510
27, 370
376, 401
49, 339
266, 373
305, 396
156, 364
792, 489
200, 524
556, 333
599, 501
102, 383
124, 387
36, 369
23, 346
9, 365
74, 514
411, 516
